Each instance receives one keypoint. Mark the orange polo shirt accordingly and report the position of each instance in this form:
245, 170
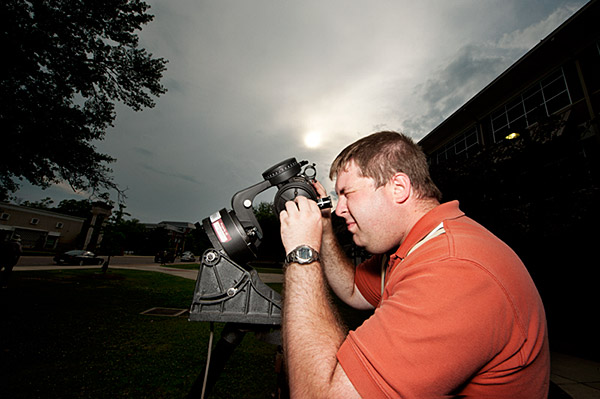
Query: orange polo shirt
460, 315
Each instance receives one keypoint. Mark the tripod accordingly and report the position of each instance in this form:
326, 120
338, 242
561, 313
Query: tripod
227, 292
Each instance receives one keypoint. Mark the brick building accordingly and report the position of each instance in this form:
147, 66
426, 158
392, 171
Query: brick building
523, 158
38, 228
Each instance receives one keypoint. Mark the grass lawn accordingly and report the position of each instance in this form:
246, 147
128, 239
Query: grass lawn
80, 334
195, 266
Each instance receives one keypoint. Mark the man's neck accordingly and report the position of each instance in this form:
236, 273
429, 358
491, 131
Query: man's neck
414, 213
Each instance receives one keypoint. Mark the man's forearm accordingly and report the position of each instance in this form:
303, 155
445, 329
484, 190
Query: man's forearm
312, 333
340, 270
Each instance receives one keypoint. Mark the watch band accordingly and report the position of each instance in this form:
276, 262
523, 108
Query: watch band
302, 255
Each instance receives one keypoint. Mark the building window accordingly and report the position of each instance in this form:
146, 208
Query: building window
460, 147
556, 93
543, 99
34, 221
4, 216
60, 225
51, 242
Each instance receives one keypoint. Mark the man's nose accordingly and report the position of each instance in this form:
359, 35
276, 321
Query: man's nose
340, 208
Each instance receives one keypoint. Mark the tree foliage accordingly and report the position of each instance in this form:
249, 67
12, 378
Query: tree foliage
65, 64
44, 203
79, 208
271, 247
536, 191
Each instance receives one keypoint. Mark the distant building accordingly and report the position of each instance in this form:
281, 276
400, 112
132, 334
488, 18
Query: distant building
180, 227
176, 233
101, 211
523, 158
559, 76
38, 228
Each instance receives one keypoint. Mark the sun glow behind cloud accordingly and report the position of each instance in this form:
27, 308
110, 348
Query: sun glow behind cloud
312, 139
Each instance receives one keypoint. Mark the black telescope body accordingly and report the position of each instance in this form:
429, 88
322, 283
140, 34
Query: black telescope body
227, 289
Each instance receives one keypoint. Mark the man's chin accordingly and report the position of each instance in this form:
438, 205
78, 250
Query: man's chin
357, 241
369, 249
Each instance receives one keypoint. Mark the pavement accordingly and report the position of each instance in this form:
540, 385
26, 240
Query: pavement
579, 378
571, 377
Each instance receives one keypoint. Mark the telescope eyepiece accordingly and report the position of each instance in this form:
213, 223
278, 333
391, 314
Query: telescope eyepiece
324, 203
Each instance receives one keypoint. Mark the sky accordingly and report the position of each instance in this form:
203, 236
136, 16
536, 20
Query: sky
252, 83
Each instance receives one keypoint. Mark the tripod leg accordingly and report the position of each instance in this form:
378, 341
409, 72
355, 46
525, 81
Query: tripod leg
283, 391
231, 336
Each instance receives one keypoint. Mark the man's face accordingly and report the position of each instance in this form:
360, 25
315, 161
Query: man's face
366, 209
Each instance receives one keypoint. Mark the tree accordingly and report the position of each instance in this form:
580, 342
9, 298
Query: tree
65, 64
271, 247
79, 208
44, 203
112, 242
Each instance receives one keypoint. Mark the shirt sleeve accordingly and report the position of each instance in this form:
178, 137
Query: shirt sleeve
368, 279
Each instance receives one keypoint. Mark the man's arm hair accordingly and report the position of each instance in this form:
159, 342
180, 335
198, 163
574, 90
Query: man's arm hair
312, 334
340, 270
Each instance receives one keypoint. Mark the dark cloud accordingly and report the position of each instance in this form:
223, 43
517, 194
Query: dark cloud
476, 64
144, 152
180, 176
248, 79
451, 86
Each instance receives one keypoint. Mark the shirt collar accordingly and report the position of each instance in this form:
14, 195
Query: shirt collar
428, 222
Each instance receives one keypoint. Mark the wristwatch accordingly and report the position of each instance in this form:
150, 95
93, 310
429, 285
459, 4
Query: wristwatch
302, 255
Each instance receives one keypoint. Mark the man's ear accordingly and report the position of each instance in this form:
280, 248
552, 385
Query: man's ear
401, 187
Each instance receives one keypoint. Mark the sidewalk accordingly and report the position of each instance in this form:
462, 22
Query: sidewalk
577, 378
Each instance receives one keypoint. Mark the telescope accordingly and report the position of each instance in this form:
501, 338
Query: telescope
227, 288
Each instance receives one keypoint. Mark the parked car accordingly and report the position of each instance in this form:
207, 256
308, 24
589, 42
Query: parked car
164, 257
78, 257
187, 256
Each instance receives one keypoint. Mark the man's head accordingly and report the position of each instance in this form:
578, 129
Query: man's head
381, 155
384, 187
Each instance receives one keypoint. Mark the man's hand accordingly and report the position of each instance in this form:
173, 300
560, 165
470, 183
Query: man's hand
301, 224
321, 194
311, 330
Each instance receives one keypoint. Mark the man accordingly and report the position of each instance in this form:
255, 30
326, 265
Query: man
10, 252
456, 312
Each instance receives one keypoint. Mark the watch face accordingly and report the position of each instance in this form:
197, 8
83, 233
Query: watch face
304, 254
